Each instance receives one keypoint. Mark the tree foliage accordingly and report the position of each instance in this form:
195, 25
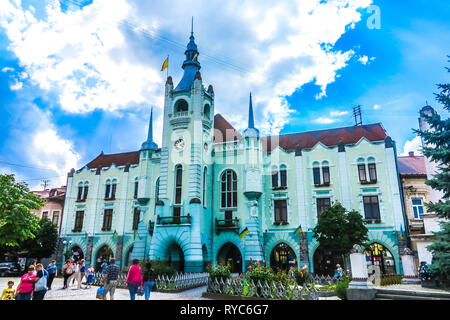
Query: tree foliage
337, 230
17, 223
44, 242
437, 140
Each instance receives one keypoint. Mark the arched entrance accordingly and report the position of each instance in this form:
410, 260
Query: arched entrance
103, 254
229, 253
77, 253
175, 257
282, 258
325, 262
379, 255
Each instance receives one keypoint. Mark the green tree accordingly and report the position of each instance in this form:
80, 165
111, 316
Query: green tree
44, 242
337, 230
438, 150
17, 223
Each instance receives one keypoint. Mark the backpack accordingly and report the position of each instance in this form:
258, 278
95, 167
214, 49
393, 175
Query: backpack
41, 284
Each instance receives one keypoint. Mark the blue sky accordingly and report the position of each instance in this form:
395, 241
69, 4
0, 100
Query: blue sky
78, 77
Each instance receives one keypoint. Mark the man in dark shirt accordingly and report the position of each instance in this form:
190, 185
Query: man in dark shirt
111, 276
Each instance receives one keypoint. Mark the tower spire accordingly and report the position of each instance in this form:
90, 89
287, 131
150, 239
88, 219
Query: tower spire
192, 26
149, 144
251, 131
251, 122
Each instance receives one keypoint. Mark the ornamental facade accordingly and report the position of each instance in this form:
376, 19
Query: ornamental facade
188, 200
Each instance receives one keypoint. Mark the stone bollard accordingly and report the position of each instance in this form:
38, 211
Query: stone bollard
359, 288
409, 268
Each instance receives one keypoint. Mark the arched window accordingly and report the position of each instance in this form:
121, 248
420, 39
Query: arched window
207, 111
229, 189
326, 172
204, 188
178, 183
80, 191
110, 189
283, 176
181, 106
157, 190
274, 177
364, 167
136, 186
321, 177
86, 190
279, 177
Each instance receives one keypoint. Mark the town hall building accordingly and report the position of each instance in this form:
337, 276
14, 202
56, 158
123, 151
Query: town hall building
187, 201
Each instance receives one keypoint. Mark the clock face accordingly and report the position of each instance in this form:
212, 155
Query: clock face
179, 144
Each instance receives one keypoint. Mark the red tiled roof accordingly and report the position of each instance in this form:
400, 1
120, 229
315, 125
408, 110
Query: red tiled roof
119, 159
412, 166
328, 137
224, 131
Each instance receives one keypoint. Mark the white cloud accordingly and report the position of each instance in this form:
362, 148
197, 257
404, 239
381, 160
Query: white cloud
365, 59
6, 69
338, 113
414, 144
324, 120
377, 106
91, 63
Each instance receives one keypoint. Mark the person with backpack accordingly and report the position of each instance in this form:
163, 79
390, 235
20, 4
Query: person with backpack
67, 271
149, 279
40, 282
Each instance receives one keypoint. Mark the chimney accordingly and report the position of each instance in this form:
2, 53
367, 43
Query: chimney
411, 153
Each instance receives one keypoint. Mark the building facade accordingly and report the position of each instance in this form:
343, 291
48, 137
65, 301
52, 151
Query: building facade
53, 205
187, 201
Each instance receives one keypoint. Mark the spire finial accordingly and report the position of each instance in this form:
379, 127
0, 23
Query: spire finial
150, 144
192, 26
251, 122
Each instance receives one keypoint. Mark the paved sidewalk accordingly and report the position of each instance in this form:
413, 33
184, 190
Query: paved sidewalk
73, 293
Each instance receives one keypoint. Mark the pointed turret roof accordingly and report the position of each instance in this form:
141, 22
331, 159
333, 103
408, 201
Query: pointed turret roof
191, 65
251, 131
149, 144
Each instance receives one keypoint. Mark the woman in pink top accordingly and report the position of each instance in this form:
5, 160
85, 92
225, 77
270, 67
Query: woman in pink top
134, 278
26, 285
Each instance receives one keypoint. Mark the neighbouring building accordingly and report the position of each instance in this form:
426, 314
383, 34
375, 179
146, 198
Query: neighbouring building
187, 201
53, 205
422, 223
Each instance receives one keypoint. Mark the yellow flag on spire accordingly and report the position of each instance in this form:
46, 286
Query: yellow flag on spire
165, 64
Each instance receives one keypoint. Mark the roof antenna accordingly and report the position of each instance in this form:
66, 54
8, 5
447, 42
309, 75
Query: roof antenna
357, 115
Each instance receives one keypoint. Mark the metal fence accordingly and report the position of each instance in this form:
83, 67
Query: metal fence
324, 280
266, 290
179, 281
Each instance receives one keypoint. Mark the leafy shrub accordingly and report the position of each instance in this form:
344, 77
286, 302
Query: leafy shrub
219, 272
341, 287
282, 278
330, 287
160, 267
390, 279
302, 276
258, 272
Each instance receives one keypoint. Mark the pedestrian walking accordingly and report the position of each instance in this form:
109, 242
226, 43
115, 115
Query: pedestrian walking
8, 293
52, 273
76, 275
90, 274
104, 266
40, 282
25, 287
149, 279
67, 271
111, 276
339, 271
82, 269
134, 279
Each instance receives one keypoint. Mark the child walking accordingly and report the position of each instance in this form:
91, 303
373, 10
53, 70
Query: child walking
90, 276
9, 293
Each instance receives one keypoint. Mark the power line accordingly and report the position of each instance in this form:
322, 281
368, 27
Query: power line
26, 166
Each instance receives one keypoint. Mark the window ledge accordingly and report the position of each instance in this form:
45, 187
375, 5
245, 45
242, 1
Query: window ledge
368, 182
110, 199
81, 200
279, 188
76, 230
372, 221
322, 185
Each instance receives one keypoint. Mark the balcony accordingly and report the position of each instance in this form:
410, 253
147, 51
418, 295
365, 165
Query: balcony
227, 224
173, 220
372, 221
180, 119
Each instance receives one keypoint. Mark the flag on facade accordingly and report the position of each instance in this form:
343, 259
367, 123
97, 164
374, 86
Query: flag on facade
402, 232
115, 234
165, 64
243, 233
298, 230
135, 235
195, 57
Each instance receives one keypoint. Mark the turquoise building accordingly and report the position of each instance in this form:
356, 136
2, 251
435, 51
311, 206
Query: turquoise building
187, 200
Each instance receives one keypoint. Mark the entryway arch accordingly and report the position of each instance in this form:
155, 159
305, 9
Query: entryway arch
282, 258
229, 253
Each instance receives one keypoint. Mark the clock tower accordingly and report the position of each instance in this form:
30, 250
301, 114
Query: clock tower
186, 158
